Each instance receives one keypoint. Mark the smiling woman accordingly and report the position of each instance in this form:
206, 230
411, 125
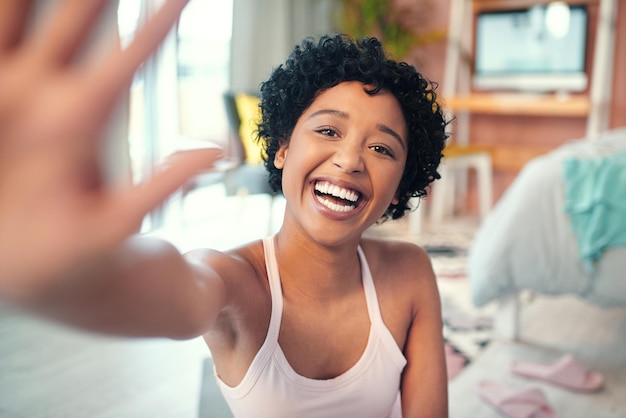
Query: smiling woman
350, 141
350, 136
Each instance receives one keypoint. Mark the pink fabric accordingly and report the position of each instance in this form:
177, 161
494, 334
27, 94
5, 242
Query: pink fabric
455, 362
526, 403
567, 372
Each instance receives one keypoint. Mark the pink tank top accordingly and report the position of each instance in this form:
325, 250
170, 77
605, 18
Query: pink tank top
272, 389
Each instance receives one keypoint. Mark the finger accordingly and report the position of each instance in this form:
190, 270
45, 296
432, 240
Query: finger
130, 207
13, 17
58, 40
119, 67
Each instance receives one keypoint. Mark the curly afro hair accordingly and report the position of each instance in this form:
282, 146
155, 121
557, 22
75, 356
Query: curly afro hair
314, 67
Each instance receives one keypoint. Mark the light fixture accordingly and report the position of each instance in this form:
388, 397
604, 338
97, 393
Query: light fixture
557, 19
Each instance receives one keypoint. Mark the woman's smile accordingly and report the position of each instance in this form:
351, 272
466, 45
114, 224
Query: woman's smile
336, 198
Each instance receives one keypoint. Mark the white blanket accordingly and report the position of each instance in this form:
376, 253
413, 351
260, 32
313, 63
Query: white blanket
527, 241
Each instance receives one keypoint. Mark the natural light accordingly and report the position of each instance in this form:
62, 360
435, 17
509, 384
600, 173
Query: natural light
202, 55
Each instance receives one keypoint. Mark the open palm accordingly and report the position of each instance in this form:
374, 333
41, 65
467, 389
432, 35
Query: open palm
55, 212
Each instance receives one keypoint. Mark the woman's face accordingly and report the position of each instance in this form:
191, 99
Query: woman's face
344, 161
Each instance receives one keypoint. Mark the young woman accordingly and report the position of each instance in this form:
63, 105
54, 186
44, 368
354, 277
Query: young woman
315, 321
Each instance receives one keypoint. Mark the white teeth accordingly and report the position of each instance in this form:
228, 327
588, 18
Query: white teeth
336, 191
333, 206
326, 188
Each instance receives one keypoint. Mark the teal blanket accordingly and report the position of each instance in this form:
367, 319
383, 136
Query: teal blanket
595, 200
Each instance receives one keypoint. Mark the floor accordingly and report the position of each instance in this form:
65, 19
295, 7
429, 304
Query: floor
49, 371
550, 327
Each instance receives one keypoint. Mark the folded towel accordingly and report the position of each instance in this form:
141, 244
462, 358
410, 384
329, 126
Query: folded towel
595, 200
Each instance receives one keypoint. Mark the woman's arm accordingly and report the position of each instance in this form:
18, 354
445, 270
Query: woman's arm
424, 384
143, 288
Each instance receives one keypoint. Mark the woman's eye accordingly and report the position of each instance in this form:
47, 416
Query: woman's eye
382, 150
327, 132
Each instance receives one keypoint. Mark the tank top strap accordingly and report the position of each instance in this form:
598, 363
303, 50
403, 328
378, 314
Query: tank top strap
276, 291
376, 319
370, 291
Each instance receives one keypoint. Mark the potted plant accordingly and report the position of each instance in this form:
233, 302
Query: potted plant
400, 25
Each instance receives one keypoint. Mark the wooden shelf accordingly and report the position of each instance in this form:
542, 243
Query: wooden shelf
480, 5
520, 104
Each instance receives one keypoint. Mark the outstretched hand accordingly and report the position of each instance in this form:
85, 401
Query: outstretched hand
55, 211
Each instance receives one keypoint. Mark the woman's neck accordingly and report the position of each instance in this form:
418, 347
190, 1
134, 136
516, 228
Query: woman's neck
315, 271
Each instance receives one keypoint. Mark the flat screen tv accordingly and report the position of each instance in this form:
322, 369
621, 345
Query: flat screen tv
538, 49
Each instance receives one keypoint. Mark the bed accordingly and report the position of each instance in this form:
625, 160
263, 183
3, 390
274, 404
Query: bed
530, 241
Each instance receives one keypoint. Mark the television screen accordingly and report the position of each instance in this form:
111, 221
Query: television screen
541, 48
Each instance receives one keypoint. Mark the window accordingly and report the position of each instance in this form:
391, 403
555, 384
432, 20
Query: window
176, 98
203, 49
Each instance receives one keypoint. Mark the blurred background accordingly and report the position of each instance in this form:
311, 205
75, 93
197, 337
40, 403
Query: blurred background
490, 59
177, 99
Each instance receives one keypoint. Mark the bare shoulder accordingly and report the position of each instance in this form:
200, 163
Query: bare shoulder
393, 258
405, 284
247, 295
224, 262
239, 330
400, 270
239, 268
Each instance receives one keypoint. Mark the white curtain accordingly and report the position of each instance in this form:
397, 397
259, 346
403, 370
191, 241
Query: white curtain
265, 32
160, 92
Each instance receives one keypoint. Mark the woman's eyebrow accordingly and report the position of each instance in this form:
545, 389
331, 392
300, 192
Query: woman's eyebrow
386, 129
334, 112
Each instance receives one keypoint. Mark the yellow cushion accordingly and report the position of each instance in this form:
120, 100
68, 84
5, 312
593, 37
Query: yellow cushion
250, 115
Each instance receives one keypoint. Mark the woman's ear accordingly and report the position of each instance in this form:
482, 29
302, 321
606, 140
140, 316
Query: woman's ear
396, 198
281, 155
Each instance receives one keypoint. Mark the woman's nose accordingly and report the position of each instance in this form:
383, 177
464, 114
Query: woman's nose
349, 157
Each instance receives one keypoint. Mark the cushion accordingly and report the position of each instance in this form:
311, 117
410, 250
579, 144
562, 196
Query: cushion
250, 115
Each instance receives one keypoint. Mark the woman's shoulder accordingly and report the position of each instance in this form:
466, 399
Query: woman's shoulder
400, 262
245, 263
242, 322
404, 280
394, 252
